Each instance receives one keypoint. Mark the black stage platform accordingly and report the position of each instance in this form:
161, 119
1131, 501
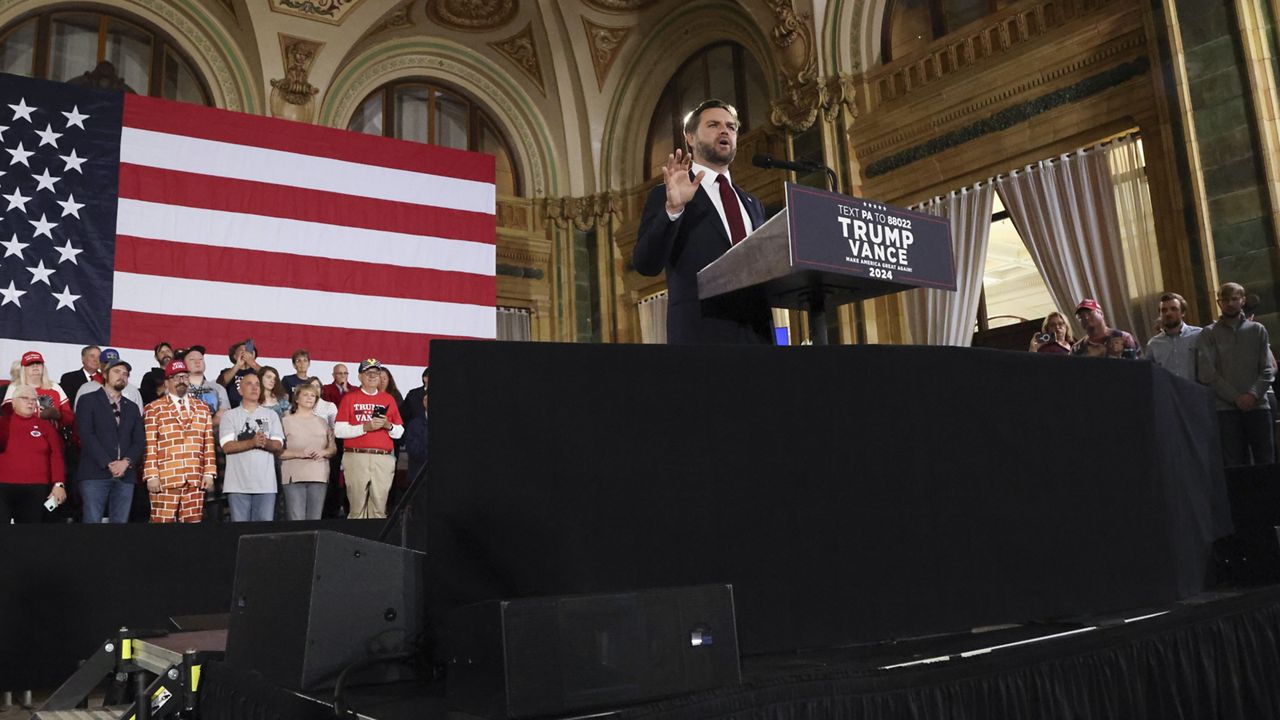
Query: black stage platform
849, 494
1212, 656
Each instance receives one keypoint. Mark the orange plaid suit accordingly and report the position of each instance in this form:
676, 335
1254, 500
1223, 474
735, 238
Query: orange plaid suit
179, 454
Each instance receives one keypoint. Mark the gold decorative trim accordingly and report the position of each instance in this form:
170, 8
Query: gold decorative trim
331, 12
472, 15
522, 51
604, 42
585, 212
1134, 41
619, 6
802, 96
293, 96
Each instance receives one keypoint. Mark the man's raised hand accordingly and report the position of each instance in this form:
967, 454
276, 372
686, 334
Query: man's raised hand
680, 188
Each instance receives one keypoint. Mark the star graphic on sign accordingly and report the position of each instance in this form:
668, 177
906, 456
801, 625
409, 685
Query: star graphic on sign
14, 247
48, 136
19, 155
17, 200
65, 253
75, 117
73, 162
70, 206
22, 110
2, 129
40, 273
11, 295
45, 181
65, 299
43, 227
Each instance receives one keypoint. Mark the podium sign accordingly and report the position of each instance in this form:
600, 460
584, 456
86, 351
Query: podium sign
838, 247
869, 239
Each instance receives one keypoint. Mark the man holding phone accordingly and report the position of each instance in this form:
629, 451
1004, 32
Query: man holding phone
368, 423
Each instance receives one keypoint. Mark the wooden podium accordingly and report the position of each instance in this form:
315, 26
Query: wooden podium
825, 249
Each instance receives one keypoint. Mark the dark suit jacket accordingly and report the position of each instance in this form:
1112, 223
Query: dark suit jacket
71, 382
412, 405
683, 247
103, 441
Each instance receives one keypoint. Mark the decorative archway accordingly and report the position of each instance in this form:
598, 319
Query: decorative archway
485, 82
190, 26
668, 45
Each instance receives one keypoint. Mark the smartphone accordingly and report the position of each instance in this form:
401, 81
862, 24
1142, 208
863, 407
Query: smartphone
51, 504
250, 347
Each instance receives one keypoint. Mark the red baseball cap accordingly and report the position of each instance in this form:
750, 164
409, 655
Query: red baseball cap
32, 358
173, 367
1088, 304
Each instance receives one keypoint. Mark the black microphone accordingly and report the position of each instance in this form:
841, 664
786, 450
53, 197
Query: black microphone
768, 162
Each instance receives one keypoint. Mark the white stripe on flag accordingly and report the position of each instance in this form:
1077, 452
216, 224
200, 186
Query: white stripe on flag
217, 228
243, 162
230, 301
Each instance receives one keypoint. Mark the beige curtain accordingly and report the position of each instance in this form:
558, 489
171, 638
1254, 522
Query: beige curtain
653, 319
515, 324
1137, 231
1065, 210
939, 317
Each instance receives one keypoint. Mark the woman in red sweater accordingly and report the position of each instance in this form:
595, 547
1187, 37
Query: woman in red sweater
31, 469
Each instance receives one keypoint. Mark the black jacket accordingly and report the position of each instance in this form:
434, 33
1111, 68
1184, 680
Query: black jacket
683, 247
103, 441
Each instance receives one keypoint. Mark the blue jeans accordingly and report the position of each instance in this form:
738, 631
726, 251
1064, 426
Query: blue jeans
106, 496
252, 507
1248, 438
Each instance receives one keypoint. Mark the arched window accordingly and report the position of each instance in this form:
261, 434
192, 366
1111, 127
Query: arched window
725, 71
909, 25
428, 113
72, 46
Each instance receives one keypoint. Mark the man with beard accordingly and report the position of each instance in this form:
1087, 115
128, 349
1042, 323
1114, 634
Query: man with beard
1234, 362
109, 356
694, 217
1174, 347
111, 444
152, 384
180, 463
1100, 340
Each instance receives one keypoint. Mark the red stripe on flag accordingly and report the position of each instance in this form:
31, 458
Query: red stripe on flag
172, 187
143, 330
271, 269
198, 121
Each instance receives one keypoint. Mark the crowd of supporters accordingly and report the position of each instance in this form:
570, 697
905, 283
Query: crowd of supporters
106, 444
1231, 356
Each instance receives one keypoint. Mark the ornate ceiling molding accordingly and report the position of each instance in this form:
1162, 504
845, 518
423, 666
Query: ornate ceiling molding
332, 12
472, 15
604, 42
619, 6
522, 51
398, 19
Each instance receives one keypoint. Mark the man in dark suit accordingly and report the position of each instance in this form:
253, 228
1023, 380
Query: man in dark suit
111, 445
694, 217
72, 381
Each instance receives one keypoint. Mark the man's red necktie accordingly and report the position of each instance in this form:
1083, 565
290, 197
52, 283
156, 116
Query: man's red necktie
732, 212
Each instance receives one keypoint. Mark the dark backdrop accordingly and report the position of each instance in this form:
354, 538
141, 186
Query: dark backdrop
848, 493
66, 588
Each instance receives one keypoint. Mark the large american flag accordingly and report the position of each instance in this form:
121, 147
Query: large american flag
129, 220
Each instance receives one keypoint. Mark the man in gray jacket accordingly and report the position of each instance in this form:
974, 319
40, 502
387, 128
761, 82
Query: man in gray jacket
1234, 361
